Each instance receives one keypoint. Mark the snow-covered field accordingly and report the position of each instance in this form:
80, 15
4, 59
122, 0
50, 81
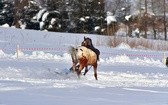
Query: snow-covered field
39, 73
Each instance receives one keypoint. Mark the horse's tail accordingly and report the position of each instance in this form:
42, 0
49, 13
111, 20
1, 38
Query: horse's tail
98, 54
73, 52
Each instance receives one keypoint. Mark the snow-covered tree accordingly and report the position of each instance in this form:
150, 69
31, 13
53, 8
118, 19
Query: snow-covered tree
115, 6
88, 15
6, 12
30, 13
69, 15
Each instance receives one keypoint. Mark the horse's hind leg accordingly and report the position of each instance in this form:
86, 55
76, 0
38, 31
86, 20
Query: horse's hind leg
95, 71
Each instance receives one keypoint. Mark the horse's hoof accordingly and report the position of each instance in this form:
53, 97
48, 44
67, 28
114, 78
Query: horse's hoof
85, 72
71, 69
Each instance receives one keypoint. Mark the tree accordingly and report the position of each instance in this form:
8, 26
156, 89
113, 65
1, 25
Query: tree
165, 27
120, 9
145, 18
115, 6
6, 13
73, 11
30, 14
19, 6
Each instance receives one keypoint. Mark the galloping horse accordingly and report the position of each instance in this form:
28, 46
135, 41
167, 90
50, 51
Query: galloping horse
84, 56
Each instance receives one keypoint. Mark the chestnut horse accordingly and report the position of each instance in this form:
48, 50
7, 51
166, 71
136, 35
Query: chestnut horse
84, 56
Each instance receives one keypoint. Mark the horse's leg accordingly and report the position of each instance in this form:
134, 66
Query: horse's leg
79, 70
74, 67
82, 64
86, 70
95, 71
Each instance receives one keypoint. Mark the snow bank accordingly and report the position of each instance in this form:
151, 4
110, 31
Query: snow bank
123, 59
66, 57
5, 25
41, 55
123, 46
1, 53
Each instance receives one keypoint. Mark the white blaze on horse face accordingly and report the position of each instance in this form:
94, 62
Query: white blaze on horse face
79, 53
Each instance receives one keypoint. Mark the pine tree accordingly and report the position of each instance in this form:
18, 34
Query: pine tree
30, 13
6, 13
87, 14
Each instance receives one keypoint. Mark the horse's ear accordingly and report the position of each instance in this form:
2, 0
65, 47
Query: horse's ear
84, 38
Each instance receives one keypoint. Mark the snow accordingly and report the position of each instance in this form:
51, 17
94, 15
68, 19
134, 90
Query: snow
40, 14
44, 17
123, 9
87, 17
123, 46
40, 74
135, 32
128, 17
82, 19
42, 25
53, 20
5, 25
97, 28
110, 18
33, 2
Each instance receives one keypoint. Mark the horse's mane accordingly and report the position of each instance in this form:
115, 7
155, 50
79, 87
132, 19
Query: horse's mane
72, 51
91, 42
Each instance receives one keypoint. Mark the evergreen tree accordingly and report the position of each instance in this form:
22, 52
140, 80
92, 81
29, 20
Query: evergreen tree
6, 13
30, 13
86, 15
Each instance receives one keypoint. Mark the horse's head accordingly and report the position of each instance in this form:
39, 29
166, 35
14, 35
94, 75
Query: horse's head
80, 52
87, 42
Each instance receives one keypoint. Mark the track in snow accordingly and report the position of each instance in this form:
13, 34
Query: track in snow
50, 79
51, 72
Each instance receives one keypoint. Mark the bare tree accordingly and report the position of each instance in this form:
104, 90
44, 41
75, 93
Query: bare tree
146, 13
165, 30
116, 5
19, 6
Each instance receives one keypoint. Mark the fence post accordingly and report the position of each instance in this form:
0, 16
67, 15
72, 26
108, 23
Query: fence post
17, 51
164, 58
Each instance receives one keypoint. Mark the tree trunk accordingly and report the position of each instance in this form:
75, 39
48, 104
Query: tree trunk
129, 30
18, 8
146, 14
16, 17
165, 30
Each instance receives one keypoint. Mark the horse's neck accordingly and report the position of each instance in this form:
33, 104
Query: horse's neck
91, 43
91, 46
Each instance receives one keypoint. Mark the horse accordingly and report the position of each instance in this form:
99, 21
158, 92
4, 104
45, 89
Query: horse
84, 56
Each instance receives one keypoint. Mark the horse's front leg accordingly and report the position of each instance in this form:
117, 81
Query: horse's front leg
82, 64
79, 70
74, 67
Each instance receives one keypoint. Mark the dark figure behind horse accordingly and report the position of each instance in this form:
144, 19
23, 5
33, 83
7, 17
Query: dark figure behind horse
88, 43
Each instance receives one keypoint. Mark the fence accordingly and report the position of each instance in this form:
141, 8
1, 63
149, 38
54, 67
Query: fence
58, 49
